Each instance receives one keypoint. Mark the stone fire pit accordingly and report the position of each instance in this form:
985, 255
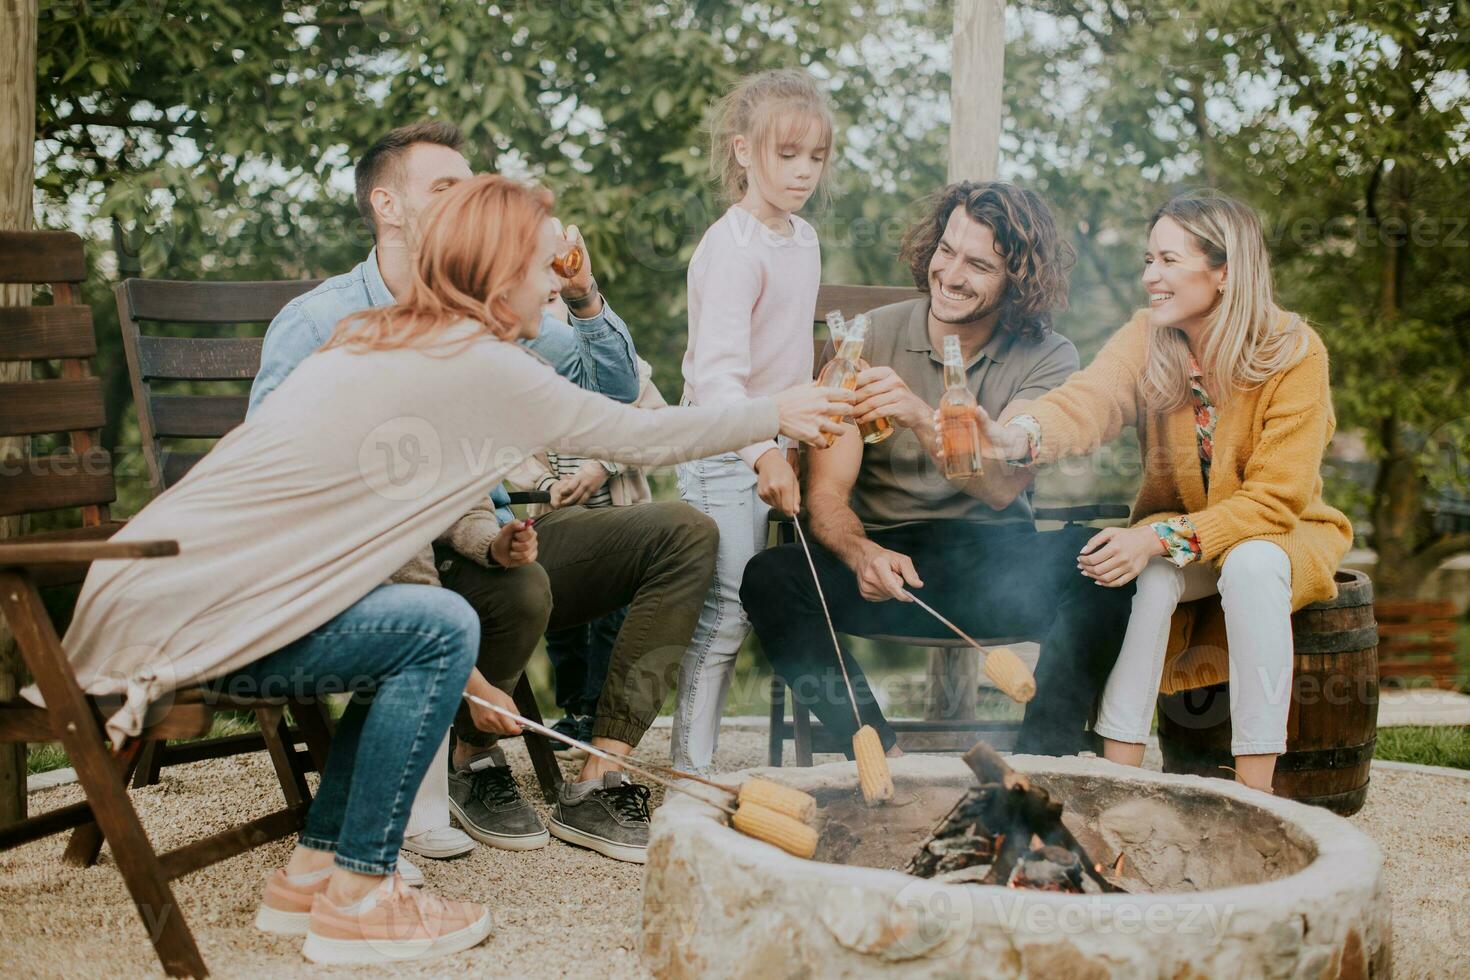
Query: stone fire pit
1225, 882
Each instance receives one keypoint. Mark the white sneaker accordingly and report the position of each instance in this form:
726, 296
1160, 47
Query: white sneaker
439, 843
409, 872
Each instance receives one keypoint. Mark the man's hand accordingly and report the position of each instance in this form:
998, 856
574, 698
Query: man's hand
776, 482
1116, 555
884, 574
578, 488
881, 393
514, 546
485, 719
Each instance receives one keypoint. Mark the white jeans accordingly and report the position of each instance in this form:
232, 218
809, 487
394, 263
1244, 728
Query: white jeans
723, 488
1255, 593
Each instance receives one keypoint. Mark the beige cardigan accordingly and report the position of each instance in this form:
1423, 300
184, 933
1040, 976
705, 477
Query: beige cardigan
288, 522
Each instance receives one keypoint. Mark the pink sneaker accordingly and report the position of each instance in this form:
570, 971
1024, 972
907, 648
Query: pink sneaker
394, 924
285, 908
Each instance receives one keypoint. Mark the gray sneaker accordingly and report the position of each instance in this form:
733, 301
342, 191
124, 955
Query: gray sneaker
610, 818
485, 800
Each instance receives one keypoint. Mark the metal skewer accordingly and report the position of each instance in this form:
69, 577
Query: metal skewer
816, 580
939, 616
594, 750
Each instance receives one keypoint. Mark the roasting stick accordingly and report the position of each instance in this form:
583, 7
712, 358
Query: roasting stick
750, 818
874, 778
1001, 664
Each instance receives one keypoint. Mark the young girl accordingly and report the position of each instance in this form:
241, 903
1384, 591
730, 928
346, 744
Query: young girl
1229, 394
752, 293
288, 528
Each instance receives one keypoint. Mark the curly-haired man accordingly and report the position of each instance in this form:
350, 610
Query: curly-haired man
883, 518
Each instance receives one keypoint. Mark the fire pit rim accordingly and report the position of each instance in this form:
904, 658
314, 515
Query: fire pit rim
1347, 859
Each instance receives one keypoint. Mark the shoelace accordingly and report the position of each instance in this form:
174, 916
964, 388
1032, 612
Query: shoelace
426, 905
494, 786
629, 801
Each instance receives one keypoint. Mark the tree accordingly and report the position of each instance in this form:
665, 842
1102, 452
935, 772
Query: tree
1345, 124
17, 150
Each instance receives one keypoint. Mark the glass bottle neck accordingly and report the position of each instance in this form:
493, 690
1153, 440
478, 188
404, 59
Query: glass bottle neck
954, 375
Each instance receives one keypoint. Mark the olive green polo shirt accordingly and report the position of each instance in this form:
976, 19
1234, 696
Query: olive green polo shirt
899, 480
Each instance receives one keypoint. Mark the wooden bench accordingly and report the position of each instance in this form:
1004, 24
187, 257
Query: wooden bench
1416, 640
178, 423
950, 724
77, 476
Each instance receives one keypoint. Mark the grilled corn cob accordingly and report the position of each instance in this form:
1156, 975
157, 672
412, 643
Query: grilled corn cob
872, 766
1010, 674
785, 832
783, 799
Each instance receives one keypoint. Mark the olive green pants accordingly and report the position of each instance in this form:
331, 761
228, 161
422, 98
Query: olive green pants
658, 559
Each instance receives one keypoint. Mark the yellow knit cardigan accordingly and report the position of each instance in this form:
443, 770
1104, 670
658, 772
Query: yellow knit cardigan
1265, 480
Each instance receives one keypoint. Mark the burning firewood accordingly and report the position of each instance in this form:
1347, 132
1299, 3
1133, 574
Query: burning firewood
1013, 828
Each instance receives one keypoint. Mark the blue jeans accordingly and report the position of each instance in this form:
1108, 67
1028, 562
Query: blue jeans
579, 657
404, 652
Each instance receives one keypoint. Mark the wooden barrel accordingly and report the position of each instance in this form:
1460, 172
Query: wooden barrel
1334, 707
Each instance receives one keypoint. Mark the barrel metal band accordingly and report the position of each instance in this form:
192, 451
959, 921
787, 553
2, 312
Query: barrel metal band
1341, 641
1341, 757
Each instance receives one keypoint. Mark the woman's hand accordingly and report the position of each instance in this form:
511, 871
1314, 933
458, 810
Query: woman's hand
576, 489
776, 482
1116, 555
809, 414
485, 719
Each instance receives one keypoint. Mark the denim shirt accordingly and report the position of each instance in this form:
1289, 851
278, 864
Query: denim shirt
596, 353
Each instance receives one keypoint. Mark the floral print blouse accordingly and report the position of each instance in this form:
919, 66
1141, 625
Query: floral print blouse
1180, 540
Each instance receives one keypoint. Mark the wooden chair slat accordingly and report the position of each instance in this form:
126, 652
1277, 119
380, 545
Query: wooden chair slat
37, 333
29, 553
41, 257
37, 483
175, 465
177, 301
197, 416
30, 407
852, 300
199, 359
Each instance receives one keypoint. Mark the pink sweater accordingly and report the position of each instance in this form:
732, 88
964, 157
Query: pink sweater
752, 299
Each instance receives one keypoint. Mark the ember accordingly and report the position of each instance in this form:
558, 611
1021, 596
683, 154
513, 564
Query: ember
1007, 831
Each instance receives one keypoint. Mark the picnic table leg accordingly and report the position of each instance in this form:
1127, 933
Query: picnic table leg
315, 722
280, 744
543, 759
801, 724
777, 739
150, 764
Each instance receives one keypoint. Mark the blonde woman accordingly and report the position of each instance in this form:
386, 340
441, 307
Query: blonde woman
1229, 394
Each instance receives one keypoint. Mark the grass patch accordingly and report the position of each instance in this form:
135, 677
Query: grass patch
47, 756
1440, 746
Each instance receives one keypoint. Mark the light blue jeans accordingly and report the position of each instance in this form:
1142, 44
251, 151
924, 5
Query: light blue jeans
404, 652
722, 488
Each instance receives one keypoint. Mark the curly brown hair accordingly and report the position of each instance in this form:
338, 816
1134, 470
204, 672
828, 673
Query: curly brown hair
1037, 259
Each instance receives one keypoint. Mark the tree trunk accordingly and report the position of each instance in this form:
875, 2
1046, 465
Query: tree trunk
976, 89
1397, 507
17, 161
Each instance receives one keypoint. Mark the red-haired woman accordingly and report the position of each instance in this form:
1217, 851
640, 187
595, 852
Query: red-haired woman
288, 529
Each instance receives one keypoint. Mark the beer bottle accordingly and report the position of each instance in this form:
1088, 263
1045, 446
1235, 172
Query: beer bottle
958, 426
850, 339
842, 370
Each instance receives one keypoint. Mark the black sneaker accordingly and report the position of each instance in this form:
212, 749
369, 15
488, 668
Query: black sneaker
571, 727
484, 798
584, 727
611, 819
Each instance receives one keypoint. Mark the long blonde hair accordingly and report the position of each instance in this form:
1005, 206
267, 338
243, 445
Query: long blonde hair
479, 238
1243, 345
770, 109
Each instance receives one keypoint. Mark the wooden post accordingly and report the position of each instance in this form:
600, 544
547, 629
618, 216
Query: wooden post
17, 156
977, 74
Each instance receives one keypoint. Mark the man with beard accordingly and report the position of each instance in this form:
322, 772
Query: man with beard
883, 518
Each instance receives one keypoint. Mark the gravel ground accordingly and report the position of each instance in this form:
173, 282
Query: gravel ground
562, 911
